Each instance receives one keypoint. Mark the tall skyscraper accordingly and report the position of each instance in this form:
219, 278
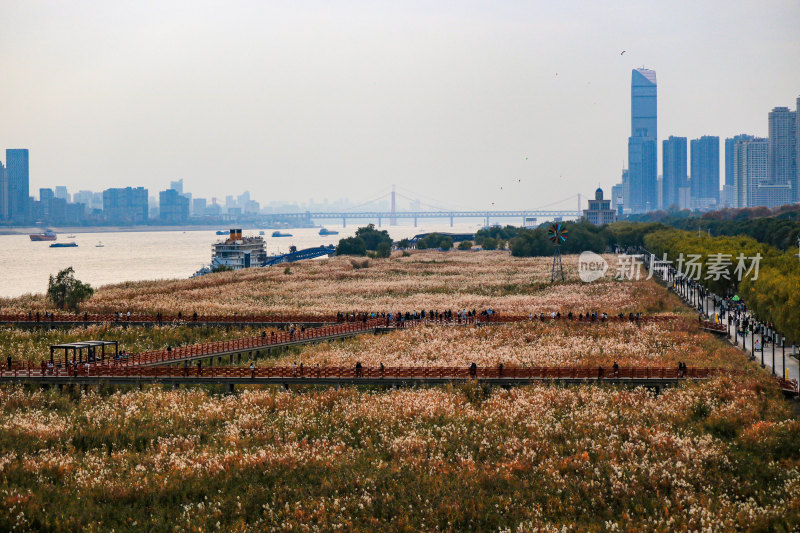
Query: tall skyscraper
642, 147
705, 170
18, 185
674, 163
729, 167
782, 155
750, 170
3, 193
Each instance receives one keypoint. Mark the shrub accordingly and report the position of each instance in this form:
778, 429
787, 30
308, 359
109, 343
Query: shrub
351, 246
384, 250
465, 245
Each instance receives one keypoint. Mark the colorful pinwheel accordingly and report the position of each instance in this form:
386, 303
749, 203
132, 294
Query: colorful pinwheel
557, 233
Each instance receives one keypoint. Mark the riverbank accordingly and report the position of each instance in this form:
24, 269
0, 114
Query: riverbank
128, 229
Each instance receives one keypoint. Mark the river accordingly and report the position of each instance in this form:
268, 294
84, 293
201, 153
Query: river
147, 255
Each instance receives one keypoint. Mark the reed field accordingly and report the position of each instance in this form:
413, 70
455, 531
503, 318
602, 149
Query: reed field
533, 344
716, 455
421, 280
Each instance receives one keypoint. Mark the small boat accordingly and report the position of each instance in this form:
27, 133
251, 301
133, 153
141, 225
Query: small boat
64, 245
279, 234
48, 235
325, 231
220, 232
99, 245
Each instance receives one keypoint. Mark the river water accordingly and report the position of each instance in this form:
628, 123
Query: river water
146, 255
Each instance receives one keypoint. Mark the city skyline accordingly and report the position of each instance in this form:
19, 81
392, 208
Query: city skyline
347, 101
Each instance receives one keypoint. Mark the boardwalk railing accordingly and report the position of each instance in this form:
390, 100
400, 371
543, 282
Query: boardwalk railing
71, 319
218, 348
351, 372
315, 374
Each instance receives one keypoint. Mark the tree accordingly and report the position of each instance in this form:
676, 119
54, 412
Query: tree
351, 246
402, 244
66, 292
446, 242
465, 245
372, 237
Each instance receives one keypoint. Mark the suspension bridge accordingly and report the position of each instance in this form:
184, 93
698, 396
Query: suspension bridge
422, 210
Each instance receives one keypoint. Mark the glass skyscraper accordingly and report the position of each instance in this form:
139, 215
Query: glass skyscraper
781, 156
18, 185
642, 144
674, 170
705, 169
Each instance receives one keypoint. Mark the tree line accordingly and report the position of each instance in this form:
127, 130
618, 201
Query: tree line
772, 292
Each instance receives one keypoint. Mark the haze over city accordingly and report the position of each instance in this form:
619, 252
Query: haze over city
300, 100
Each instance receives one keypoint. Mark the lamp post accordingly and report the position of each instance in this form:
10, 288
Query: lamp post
783, 352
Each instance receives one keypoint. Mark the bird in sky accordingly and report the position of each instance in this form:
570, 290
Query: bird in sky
622, 52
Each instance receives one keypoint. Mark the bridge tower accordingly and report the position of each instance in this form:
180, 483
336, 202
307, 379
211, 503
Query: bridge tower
392, 219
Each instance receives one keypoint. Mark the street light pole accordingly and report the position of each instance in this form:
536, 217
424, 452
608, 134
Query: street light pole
783, 351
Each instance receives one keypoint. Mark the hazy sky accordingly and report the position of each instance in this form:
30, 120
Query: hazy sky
295, 99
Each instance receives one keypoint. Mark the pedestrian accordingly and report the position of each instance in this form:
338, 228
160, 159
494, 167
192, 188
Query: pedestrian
8, 360
473, 370
358, 369
252, 370
616, 369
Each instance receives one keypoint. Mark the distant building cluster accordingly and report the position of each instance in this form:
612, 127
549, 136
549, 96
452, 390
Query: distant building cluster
758, 171
128, 205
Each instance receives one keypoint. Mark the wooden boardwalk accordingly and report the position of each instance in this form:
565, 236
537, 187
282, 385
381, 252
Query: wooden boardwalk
389, 376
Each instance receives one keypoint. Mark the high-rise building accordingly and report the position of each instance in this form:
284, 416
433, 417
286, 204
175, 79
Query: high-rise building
45, 195
173, 207
674, 164
199, 207
642, 147
749, 170
17, 170
705, 170
61, 192
782, 148
728, 186
3, 193
797, 150
125, 206
177, 185
616, 197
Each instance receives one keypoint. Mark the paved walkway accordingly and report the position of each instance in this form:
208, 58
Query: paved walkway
785, 366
